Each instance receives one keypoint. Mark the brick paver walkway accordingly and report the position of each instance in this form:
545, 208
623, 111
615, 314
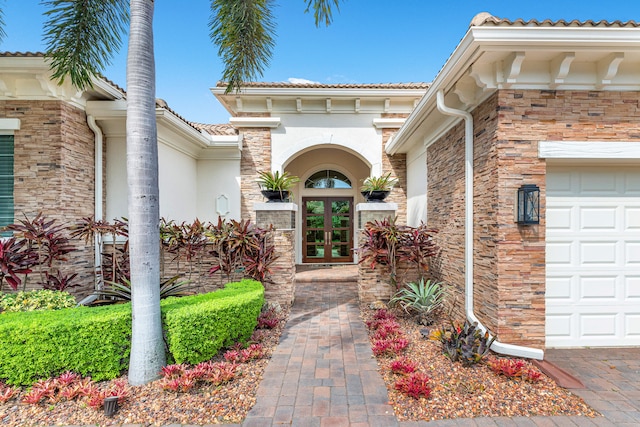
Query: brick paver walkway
322, 372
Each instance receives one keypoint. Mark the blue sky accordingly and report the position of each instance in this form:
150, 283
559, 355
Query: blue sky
370, 41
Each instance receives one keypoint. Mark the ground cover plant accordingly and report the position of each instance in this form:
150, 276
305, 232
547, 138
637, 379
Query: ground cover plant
425, 384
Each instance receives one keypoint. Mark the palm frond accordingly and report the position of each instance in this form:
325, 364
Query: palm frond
3, 34
244, 32
82, 37
322, 10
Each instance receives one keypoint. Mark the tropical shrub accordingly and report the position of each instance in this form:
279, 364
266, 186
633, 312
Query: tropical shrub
276, 181
15, 259
239, 245
115, 264
184, 240
465, 344
119, 292
49, 241
421, 299
388, 244
379, 183
36, 300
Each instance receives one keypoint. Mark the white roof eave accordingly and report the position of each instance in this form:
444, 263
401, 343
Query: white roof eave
480, 39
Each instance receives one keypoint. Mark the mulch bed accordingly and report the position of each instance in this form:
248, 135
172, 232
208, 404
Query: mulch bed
457, 392
150, 405
466, 392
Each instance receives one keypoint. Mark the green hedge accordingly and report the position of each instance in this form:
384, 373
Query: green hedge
89, 341
96, 341
198, 327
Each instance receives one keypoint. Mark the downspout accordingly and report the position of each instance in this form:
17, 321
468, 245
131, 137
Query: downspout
498, 347
98, 188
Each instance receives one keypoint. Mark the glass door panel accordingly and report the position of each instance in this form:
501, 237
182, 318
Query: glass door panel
328, 230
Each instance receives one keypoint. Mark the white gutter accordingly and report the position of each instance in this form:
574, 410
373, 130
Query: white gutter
498, 347
98, 187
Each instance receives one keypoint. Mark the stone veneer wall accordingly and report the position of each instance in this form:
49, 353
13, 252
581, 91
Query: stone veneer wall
282, 287
397, 165
256, 156
509, 260
54, 172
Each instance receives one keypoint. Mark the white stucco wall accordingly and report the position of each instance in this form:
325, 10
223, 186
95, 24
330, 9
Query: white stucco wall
178, 190
116, 178
218, 178
416, 186
299, 133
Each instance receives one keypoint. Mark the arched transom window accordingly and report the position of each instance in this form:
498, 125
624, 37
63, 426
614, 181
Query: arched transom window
327, 179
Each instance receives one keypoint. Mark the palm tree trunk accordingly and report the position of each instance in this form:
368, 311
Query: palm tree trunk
147, 346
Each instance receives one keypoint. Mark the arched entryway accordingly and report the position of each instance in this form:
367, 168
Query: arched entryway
326, 196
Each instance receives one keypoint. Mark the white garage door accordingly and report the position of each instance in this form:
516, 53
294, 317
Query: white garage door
593, 256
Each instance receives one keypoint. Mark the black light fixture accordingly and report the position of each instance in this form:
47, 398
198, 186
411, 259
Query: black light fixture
528, 204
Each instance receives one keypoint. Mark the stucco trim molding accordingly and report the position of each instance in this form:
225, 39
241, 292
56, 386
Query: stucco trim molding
255, 122
588, 150
9, 126
389, 123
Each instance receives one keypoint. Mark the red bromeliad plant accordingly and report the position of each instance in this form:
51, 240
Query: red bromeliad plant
388, 244
403, 365
415, 385
181, 378
514, 368
7, 392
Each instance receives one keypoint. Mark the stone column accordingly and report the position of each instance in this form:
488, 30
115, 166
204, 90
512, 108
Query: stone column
373, 284
282, 216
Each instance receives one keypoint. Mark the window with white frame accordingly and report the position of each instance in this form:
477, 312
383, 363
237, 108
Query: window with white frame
6, 180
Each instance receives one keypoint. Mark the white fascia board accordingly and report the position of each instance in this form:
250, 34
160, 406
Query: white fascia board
107, 109
562, 38
179, 126
107, 88
185, 139
321, 92
457, 63
588, 150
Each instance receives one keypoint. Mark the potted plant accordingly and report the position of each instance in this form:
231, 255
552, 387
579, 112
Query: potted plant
377, 188
276, 187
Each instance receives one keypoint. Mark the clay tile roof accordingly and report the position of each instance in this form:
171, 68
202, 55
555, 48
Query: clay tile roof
22, 54
332, 86
486, 19
224, 129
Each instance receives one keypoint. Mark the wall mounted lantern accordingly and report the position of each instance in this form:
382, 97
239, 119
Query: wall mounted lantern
528, 209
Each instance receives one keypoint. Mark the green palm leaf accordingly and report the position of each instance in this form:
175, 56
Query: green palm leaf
82, 37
